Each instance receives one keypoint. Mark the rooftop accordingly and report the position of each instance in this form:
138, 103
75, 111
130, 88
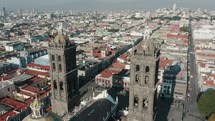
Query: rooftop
21, 78
96, 112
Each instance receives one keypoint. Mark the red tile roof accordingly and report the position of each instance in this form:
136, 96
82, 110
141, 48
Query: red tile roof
36, 79
208, 83
164, 62
31, 89
186, 41
206, 54
118, 65
40, 67
109, 72
13, 103
124, 56
36, 73
202, 65
6, 115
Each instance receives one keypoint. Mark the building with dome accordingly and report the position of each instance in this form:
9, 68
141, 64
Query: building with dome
39, 114
142, 88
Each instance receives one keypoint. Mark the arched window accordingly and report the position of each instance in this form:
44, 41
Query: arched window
137, 68
53, 66
61, 85
59, 58
146, 79
55, 84
60, 67
145, 103
135, 51
53, 58
136, 78
147, 69
136, 101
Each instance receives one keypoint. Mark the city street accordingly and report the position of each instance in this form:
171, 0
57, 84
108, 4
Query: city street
188, 109
191, 103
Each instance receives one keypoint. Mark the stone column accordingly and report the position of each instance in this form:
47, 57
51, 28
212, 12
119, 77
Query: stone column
131, 100
142, 74
58, 89
64, 62
151, 103
65, 90
52, 87
140, 106
152, 77
132, 74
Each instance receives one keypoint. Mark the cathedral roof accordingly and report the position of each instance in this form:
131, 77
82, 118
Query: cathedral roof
48, 117
95, 112
147, 45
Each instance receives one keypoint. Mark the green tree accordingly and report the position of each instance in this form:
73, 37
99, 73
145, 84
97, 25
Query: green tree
206, 103
113, 30
184, 29
1, 25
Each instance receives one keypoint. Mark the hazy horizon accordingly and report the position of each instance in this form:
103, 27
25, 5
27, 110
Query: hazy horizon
104, 4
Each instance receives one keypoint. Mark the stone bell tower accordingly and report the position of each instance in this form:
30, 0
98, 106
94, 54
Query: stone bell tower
63, 73
142, 88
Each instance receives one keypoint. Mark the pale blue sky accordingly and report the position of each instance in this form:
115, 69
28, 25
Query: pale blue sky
104, 4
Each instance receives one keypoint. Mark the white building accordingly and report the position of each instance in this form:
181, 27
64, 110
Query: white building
6, 88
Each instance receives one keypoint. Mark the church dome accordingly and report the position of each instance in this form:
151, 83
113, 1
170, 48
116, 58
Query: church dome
61, 39
47, 117
147, 45
39, 115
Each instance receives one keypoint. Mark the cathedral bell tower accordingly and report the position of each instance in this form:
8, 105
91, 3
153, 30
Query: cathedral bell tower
63, 73
142, 88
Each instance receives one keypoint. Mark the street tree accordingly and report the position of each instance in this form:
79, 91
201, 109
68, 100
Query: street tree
1, 25
206, 103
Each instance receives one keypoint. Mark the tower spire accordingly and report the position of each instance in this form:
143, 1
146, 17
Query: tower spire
60, 29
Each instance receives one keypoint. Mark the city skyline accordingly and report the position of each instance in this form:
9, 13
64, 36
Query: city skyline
103, 4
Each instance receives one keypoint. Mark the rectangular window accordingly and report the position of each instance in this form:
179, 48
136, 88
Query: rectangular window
60, 67
53, 58
53, 66
59, 58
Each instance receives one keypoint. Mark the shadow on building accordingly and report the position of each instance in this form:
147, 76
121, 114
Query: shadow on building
123, 96
166, 98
